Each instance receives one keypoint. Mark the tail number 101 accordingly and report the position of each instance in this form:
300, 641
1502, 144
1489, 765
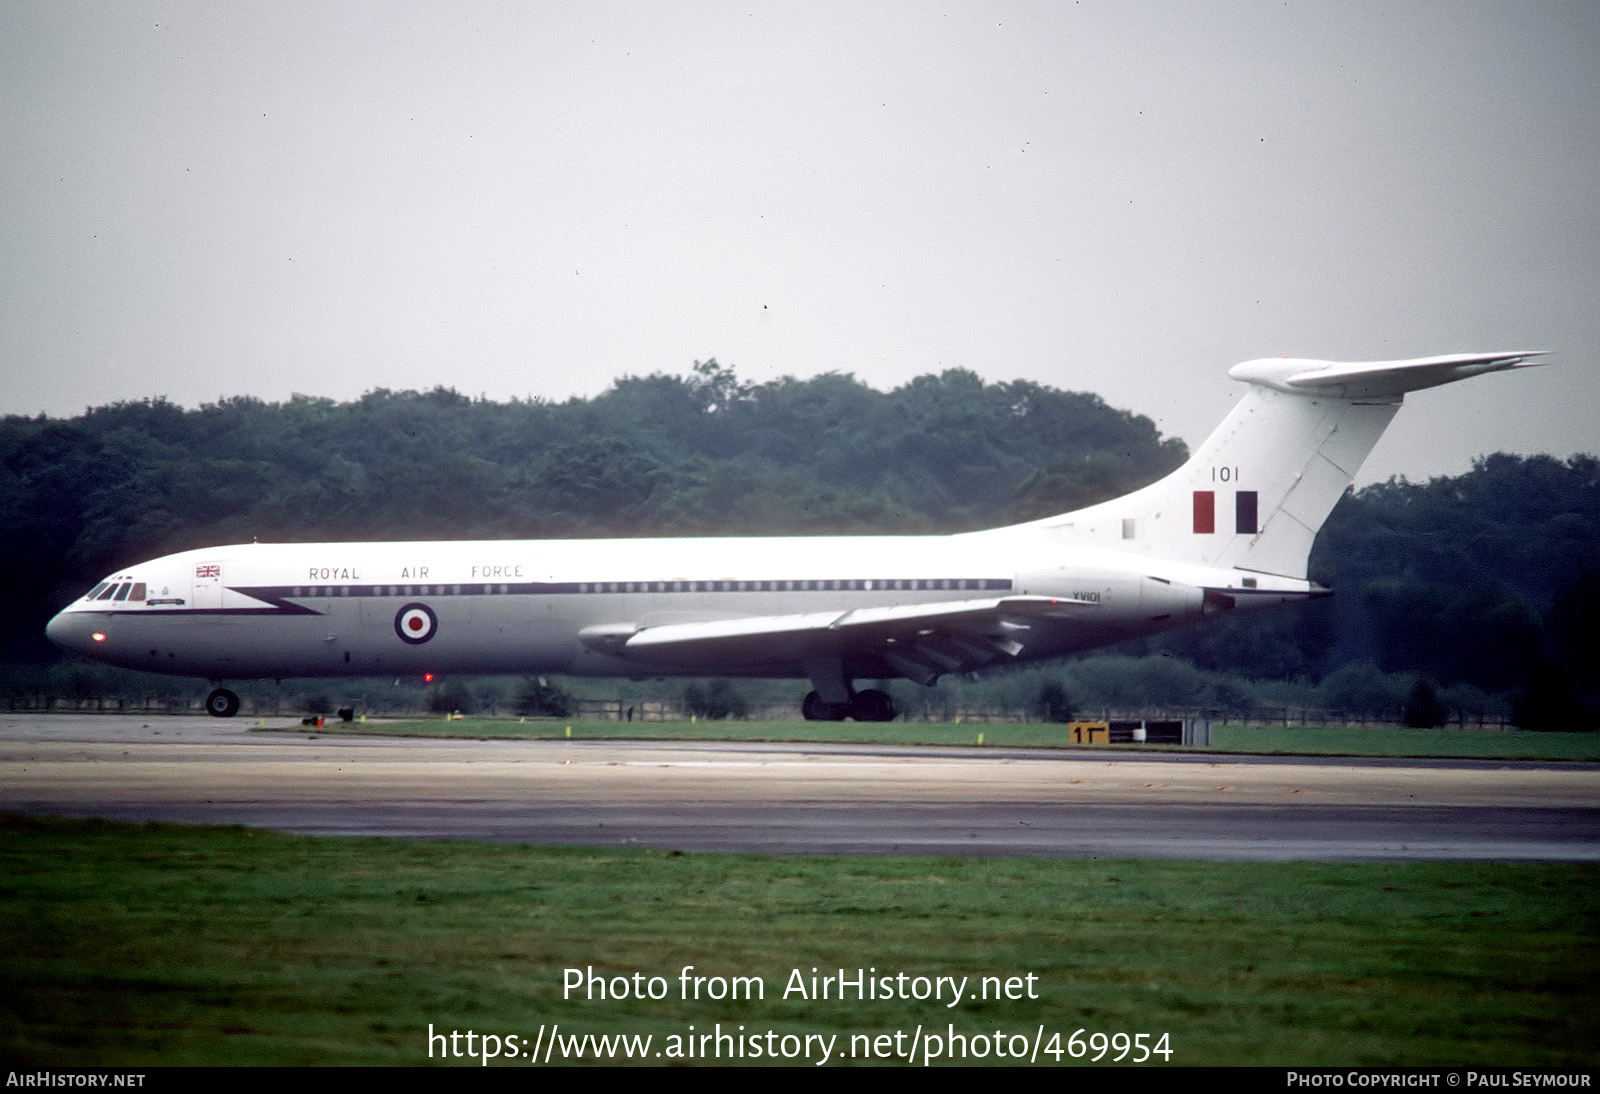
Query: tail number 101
1224, 474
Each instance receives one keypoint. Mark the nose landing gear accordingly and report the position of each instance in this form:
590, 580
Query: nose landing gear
222, 703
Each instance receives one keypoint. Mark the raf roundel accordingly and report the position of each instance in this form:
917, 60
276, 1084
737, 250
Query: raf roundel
415, 623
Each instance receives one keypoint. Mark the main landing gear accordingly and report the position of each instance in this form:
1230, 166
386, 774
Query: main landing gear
871, 705
222, 703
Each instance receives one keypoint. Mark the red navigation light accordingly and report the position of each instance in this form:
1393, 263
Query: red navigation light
427, 678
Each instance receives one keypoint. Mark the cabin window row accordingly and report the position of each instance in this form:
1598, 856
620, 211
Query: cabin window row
941, 584
399, 590
838, 584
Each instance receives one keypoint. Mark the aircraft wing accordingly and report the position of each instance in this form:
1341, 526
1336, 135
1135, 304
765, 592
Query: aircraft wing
920, 641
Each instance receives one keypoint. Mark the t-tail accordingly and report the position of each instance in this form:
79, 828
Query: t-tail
1256, 492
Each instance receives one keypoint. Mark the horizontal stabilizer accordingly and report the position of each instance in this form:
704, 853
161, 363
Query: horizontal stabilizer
1375, 379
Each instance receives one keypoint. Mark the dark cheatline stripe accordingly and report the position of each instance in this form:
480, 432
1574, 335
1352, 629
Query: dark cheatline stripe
281, 599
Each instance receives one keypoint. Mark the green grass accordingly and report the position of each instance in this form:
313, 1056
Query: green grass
132, 946
1295, 740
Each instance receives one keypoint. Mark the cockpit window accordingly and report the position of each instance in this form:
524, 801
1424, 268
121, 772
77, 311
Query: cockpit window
110, 588
122, 591
138, 591
94, 592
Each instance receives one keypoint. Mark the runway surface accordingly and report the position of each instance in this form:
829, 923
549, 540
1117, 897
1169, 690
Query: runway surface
800, 799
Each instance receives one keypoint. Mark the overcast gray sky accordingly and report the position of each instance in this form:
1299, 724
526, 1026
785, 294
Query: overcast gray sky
203, 200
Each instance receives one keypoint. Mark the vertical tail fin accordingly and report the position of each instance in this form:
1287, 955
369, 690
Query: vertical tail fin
1255, 493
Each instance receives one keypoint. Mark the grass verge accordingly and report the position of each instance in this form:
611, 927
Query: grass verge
130, 945
1288, 740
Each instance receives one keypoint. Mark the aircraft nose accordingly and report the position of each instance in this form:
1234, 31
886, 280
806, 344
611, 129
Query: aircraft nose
71, 631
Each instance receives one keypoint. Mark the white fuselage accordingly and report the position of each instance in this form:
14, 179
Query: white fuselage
523, 606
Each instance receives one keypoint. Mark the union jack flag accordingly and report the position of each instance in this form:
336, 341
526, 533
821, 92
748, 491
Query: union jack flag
210, 569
